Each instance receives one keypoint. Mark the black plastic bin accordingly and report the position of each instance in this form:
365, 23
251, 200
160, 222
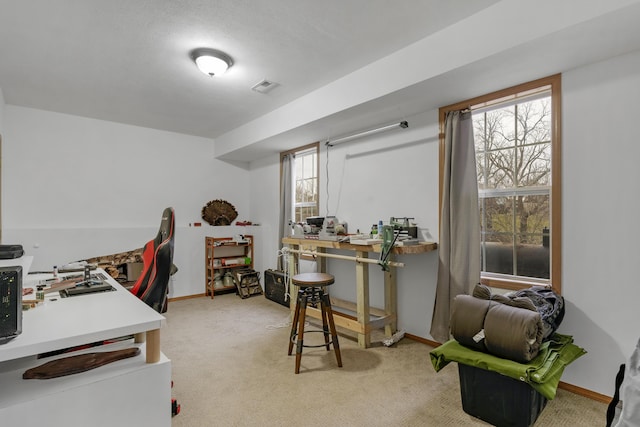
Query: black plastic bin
498, 399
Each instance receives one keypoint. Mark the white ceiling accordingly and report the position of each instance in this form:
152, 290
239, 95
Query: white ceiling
128, 61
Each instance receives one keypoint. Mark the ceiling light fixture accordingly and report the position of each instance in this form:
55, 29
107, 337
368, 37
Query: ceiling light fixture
211, 62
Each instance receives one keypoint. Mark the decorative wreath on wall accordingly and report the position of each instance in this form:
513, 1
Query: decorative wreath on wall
219, 212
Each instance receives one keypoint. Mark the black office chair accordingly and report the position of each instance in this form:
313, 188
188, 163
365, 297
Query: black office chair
152, 286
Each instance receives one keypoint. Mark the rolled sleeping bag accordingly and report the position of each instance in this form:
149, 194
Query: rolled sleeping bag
467, 321
512, 332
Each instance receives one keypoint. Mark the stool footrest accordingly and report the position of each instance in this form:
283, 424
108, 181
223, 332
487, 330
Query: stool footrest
295, 336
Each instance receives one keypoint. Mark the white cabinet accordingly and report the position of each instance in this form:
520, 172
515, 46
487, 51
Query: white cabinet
134, 391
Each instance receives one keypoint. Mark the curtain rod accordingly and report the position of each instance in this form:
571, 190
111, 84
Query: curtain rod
330, 143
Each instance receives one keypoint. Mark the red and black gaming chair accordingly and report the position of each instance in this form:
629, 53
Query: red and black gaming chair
152, 286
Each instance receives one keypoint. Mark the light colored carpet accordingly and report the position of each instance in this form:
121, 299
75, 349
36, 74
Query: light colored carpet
230, 368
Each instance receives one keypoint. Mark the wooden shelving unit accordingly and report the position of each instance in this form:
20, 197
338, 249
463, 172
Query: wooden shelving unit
222, 255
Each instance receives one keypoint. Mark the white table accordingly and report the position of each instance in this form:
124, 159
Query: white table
134, 391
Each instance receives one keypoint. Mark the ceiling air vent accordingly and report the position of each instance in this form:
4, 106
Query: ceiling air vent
264, 86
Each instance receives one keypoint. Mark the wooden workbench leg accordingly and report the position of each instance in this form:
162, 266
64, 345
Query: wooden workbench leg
321, 262
362, 300
390, 299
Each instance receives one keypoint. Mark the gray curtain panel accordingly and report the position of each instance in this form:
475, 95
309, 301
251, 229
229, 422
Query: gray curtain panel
286, 202
459, 246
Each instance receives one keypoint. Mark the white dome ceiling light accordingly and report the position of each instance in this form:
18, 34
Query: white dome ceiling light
211, 62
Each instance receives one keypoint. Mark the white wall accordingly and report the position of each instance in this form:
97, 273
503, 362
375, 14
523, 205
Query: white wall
396, 174
75, 188
389, 174
264, 195
600, 216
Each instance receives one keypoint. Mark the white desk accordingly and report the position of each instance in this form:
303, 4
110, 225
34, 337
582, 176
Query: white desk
134, 391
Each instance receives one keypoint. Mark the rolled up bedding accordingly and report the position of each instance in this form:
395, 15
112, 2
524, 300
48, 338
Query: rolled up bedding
514, 333
467, 321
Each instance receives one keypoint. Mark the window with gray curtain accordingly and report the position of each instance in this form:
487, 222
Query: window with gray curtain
516, 133
299, 187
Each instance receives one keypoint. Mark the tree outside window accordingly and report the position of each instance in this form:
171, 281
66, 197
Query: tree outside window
513, 156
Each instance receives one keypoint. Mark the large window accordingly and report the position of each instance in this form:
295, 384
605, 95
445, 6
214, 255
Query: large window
517, 143
305, 182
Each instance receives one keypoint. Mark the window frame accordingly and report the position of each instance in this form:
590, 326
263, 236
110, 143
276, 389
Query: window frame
555, 234
304, 148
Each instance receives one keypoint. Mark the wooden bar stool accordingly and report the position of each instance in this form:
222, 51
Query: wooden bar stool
312, 292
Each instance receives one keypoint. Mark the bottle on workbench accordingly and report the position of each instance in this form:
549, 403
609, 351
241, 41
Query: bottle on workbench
374, 231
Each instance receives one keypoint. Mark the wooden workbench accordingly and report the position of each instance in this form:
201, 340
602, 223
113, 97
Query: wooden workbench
362, 324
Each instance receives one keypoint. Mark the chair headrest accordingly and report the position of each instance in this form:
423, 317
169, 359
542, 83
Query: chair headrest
166, 226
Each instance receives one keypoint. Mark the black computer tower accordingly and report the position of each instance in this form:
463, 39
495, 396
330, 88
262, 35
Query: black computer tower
10, 302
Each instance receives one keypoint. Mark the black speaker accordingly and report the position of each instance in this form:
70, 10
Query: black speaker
10, 303
275, 286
